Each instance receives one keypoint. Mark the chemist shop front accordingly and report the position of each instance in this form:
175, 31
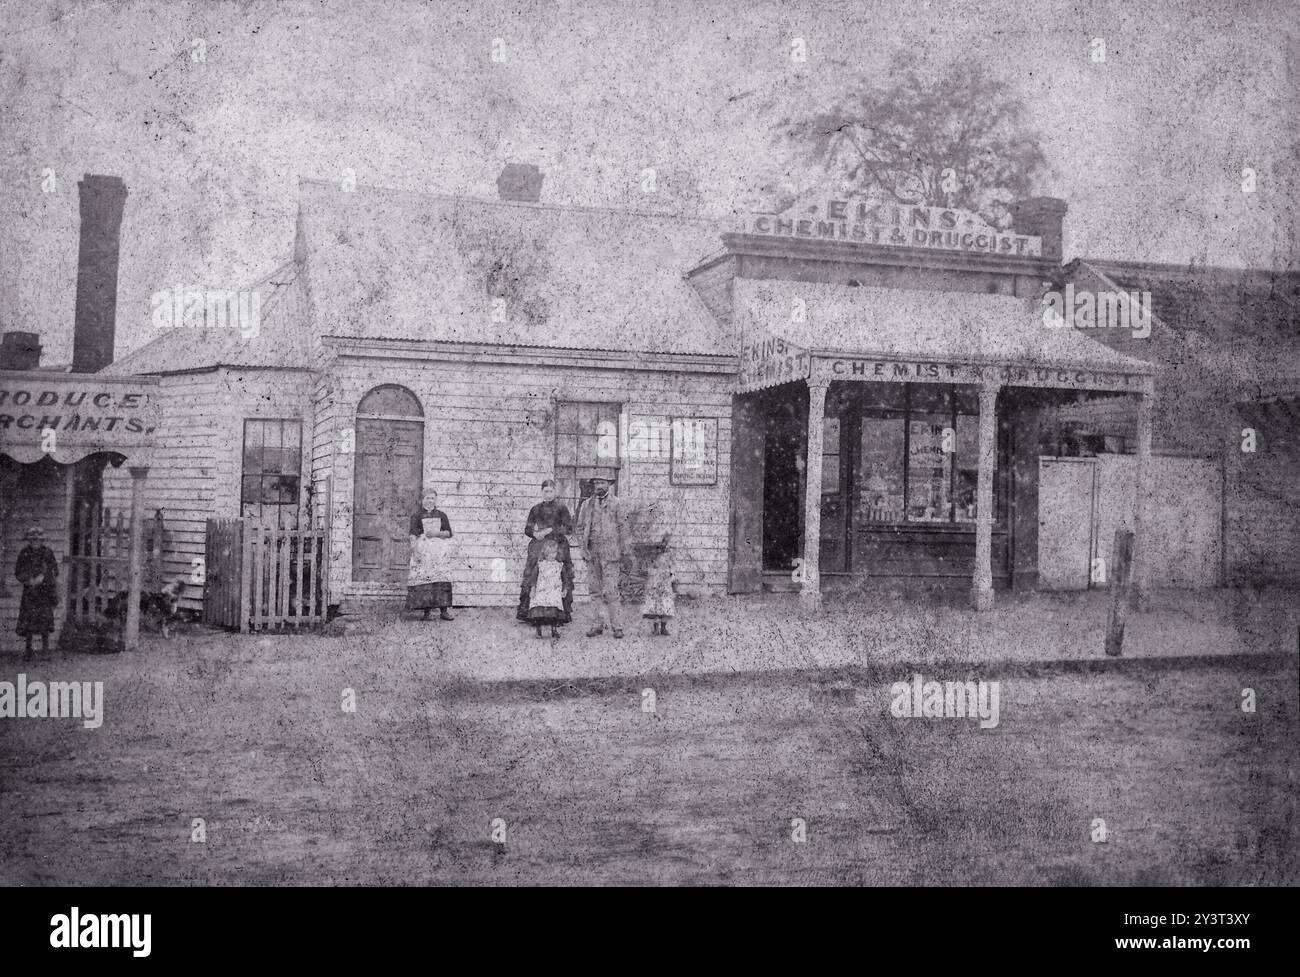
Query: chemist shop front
915, 414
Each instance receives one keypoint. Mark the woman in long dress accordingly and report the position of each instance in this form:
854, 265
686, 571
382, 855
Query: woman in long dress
38, 571
428, 582
548, 519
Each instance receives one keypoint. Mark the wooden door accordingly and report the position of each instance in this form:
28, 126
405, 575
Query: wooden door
223, 572
836, 466
1066, 489
389, 468
748, 431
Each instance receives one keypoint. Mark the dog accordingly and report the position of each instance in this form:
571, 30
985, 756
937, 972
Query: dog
158, 611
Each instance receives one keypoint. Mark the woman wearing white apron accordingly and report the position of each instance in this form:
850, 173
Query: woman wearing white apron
428, 582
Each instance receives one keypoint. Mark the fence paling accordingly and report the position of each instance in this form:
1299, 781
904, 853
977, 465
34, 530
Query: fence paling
98, 560
282, 572
265, 580
245, 578
284, 544
296, 574
310, 576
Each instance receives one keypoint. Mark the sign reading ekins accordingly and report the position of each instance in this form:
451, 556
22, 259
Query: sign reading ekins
862, 222
770, 360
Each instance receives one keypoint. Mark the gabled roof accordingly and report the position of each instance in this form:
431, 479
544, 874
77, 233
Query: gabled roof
281, 339
1232, 331
1222, 303
402, 265
967, 327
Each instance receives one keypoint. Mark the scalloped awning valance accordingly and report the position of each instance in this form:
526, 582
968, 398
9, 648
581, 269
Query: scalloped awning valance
67, 416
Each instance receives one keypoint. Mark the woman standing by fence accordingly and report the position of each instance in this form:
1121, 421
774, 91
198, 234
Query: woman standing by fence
38, 571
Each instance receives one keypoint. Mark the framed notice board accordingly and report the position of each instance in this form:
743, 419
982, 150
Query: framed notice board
694, 458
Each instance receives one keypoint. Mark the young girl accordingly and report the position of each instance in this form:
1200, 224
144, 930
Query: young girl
547, 602
659, 597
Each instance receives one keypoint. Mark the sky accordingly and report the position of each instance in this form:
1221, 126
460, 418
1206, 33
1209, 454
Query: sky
1147, 147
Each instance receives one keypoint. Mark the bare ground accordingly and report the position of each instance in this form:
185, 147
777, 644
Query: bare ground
249, 734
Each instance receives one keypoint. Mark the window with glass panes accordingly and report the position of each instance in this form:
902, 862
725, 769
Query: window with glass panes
586, 446
919, 454
272, 470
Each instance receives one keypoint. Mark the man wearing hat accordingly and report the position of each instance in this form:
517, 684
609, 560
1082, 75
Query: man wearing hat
38, 571
601, 528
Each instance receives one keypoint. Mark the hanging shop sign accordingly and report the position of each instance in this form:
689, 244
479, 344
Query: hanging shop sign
766, 361
872, 370
67, 416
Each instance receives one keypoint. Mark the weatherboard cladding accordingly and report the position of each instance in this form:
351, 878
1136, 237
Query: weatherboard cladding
195, 474
490, 440
591, 280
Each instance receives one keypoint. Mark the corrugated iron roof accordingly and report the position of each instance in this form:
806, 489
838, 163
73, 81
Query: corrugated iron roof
425, 266
281, 338
947, 326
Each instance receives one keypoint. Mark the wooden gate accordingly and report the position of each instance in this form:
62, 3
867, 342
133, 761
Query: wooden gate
1083, 501
223, 572
285, 576
98, 564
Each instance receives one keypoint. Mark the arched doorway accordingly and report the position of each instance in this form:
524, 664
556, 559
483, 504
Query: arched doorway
386, 483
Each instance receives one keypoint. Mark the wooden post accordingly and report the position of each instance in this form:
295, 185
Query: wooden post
299, 536
327, 554
246, 602
982, 585
1141, 523
748, 432
283, 543
810, 593
1121, 582
69, 517
131, 640
259, 576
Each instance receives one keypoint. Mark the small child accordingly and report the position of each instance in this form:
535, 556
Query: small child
547, 602
659, 597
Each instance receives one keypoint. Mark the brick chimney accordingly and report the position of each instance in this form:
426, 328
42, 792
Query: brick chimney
95, 322
20, 351
520, 181
1041, 217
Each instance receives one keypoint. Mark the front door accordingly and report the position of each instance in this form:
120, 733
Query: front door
748, 433
386, 493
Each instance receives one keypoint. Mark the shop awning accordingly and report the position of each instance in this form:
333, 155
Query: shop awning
67, 416
906, 335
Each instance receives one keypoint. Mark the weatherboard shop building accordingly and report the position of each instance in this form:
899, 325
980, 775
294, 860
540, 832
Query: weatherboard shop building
893, 358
